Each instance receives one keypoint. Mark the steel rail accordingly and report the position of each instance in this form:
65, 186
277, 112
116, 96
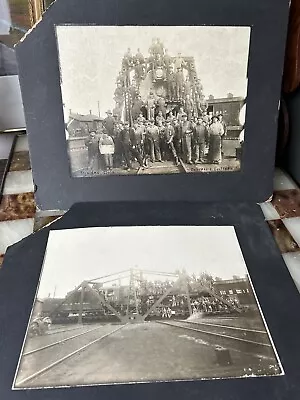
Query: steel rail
54, 332
217, 334
59, 342
224, 326
59, 361
183, 166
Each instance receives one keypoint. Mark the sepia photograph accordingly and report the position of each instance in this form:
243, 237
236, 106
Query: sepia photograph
144, 304
143, 100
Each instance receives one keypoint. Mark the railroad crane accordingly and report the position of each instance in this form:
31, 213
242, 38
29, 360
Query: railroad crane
134, 295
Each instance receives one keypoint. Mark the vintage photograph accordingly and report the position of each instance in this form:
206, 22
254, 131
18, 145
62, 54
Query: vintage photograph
144, 304
142, 100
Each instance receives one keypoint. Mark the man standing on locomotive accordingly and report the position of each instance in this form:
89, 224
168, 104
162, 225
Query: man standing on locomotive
151, 102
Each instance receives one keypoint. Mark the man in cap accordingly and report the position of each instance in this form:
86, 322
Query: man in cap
160, 118
199, 137
137, 134
140, 119
136, 108
189, 106
109, 123
168, 61
187, 86
161, 106
177, 140
125, 137
92, 144
180, 113
171, 85
179, 83
223, 123
162, 143
187, 136
118, 155
169, 133
179, 62
151, 102
127, 59
152, 133
139, 57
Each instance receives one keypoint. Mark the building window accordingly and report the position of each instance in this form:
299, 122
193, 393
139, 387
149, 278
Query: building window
222, 292
230, 291
238, 291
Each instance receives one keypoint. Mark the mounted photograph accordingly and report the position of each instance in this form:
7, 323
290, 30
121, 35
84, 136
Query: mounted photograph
153, 99
114, 305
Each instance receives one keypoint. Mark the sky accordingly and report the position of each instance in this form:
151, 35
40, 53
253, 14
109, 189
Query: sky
75, 255
90, 59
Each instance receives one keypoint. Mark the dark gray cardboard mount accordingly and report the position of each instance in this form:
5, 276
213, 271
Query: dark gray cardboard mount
40, 84
276, 291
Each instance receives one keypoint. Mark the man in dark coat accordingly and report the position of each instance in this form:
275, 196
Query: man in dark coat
109, 123
167, 60
137, 141
118, 156
136, 108
169, 137
139, 57
171, 85
131, 143
153, 137
177, 139
125, 138
92, 144
179, 83
189, 106
161, 106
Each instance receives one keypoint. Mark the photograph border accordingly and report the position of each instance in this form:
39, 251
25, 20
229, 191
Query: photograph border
169, 380
38, 61
271, 279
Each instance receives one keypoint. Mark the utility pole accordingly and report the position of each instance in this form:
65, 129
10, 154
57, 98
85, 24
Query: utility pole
99, 108
81, 304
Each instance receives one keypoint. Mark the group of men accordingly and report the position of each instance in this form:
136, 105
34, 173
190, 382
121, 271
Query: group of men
175, 138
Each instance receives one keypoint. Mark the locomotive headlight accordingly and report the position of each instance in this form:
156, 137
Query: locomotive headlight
242, 115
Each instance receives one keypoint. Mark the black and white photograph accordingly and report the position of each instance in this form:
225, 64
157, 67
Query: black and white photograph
144, 304
143, 100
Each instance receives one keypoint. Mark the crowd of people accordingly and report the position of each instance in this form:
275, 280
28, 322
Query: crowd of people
210, 305
176, 137
175, 303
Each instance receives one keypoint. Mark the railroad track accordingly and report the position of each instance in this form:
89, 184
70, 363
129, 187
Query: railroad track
248, 334
59, 342
181, 167
238, 339
55, 332
181, 163
69, 353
